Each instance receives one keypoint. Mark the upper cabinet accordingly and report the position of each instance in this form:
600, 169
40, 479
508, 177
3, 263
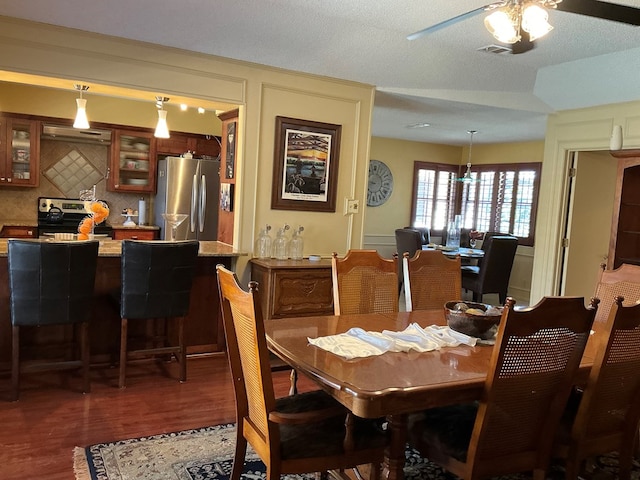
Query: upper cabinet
179, 143
19, 156
625, 235
133, 162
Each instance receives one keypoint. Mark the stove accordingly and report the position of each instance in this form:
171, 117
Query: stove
63, 215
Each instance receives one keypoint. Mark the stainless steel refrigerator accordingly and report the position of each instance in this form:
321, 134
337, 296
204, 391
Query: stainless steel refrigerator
190, 186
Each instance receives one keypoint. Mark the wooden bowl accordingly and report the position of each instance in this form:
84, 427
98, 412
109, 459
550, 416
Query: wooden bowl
479, 326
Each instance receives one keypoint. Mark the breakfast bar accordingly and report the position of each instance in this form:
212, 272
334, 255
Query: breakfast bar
203, 326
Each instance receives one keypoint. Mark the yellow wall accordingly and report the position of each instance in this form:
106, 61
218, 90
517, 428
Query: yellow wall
505, 153
262, 94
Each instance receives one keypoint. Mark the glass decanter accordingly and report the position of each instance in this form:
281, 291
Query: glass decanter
280, 244
263, 243
296, 245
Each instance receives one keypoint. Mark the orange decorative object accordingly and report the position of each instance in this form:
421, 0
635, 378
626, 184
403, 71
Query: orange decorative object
86, 225
83, 236
100, 211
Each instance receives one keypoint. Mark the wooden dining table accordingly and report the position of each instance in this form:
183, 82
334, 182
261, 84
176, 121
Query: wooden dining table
390, 385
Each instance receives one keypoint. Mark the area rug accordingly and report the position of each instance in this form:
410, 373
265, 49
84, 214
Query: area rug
207, 454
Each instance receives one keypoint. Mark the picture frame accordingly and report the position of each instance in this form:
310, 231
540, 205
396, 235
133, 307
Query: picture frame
226, 197
305, 167
230, 158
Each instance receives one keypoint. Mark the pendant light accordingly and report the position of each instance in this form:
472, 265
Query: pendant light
81, 121
162, 129
467, 178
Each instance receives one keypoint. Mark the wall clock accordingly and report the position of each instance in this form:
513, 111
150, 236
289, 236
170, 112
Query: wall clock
380, 183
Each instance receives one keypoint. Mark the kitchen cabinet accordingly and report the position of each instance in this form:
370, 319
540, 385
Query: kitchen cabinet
19, 156
228, 165
14, 231
179, 143
624, 245
133, 162
133, 233
293, 288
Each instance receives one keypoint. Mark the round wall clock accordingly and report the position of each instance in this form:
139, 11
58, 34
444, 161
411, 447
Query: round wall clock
380, 183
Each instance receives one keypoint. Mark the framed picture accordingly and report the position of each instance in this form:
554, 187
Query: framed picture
305, 167
230, 160
226, 197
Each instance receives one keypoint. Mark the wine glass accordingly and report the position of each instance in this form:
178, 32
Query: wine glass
174, 220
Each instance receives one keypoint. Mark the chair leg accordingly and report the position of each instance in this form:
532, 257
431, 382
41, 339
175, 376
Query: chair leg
85, 354
293, 378
123, 352
238, 459
15, 362
183, 350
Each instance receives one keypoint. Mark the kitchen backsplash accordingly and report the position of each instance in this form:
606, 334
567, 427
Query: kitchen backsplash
58, 176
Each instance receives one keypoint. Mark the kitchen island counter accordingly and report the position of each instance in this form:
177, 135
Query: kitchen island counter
203, 325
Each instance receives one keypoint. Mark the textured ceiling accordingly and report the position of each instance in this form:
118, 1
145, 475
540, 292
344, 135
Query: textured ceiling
441, 79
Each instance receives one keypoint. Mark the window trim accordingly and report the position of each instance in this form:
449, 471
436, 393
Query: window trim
477, 169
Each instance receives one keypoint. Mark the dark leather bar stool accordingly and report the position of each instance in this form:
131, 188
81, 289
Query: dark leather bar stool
51, 283
156, 283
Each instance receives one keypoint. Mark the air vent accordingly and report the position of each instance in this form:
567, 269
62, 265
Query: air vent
497, 49
62, 132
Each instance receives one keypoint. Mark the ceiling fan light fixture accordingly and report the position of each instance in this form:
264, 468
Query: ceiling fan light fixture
535, 21
503, 25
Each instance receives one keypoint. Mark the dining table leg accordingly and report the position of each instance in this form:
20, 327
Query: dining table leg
394, 456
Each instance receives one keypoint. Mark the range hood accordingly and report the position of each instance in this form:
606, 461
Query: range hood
70, 134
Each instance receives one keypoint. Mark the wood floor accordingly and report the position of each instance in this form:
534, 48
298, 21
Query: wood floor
38, 432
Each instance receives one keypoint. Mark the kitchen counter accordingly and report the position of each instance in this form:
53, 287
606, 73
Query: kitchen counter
203, 326
113, 248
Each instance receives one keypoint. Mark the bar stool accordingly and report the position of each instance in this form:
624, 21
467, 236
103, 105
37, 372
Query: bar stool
51, 283
156, 284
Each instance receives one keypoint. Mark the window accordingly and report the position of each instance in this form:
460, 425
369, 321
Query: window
502, 198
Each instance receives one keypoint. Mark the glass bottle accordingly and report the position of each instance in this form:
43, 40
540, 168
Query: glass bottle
263, 243
280, 245
296, 245
453, 233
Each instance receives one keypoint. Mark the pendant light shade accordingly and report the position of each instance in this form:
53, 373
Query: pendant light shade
81, 121
467, 178
162, 129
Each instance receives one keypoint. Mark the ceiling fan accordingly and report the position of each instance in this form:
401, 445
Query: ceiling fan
520, 22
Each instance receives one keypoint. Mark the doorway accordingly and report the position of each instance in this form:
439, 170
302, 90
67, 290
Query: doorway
588, 221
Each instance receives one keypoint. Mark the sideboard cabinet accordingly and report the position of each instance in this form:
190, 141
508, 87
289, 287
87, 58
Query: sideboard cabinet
293, 288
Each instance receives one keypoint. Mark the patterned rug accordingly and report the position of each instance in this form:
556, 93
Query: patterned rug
207, 454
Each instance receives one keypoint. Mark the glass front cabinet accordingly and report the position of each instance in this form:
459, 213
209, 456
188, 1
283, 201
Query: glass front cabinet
133, 162
19, 157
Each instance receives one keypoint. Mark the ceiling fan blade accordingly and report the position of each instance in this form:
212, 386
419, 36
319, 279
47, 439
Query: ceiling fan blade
446, 23
524, 44
605, 10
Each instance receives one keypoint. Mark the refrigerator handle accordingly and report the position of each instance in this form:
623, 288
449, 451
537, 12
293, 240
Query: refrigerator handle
203, 202
194, 202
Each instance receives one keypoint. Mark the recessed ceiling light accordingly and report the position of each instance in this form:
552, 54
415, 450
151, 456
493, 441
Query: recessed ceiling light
418, 125
200, 110
183, 107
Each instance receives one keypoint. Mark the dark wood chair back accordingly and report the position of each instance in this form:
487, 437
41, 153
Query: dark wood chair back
623, 281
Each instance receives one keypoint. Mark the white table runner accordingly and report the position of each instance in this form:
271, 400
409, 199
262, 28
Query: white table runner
357, 343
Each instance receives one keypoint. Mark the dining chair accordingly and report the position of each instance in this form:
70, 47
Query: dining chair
302, 433
51, 283
408, 240
425, 233
608, 409
431, 279
623, 281
493, 273
531, 372
156, 280
364, 282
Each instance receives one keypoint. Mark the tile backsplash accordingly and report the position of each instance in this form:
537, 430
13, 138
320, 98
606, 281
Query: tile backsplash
89, 165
